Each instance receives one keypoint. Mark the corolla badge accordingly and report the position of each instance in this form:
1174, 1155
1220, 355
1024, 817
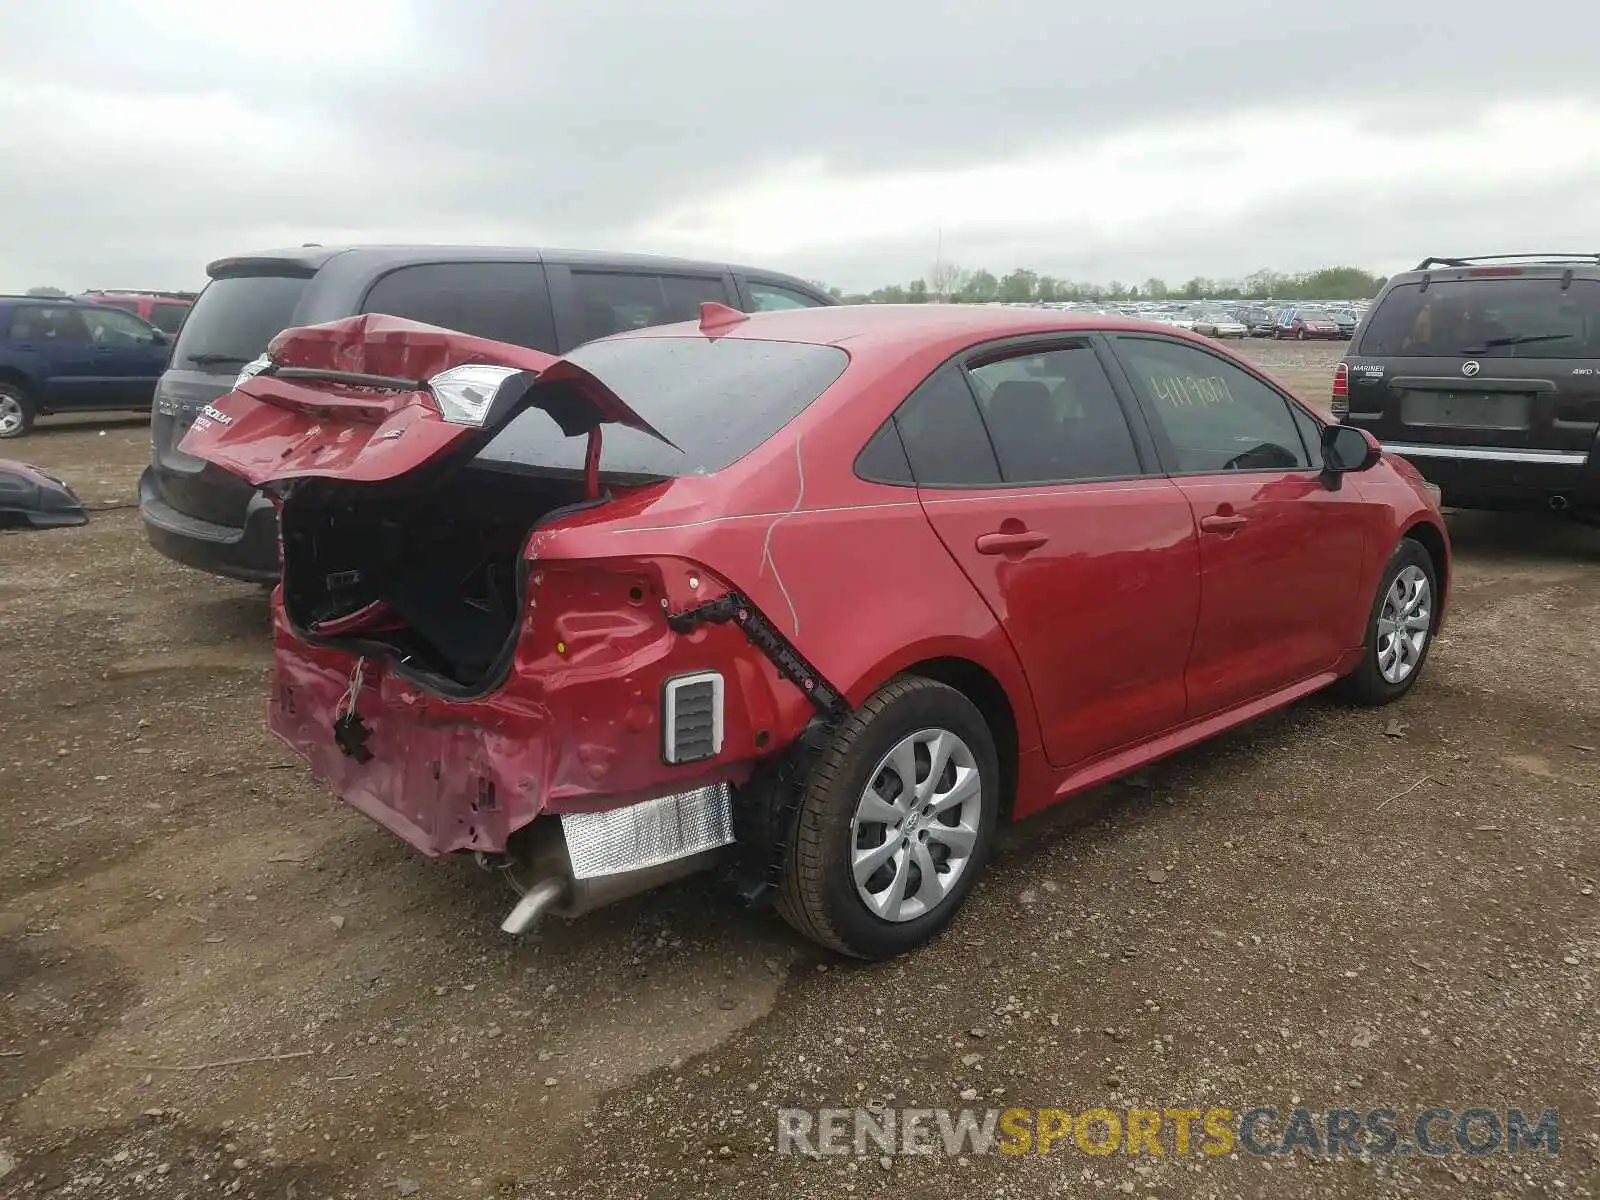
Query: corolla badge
1470, 367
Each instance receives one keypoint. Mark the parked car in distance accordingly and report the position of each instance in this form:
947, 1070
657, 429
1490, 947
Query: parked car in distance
542, 299
165, 310
61, 355
1218, 325
1303, 324
1485, 372
1258, 321
1345, 320
601, 618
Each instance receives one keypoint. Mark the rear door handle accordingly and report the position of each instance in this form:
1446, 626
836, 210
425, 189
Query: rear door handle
1222, 522
1010, 543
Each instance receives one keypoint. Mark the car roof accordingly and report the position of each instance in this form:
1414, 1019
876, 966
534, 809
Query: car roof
895, 327
95, 295
378, 258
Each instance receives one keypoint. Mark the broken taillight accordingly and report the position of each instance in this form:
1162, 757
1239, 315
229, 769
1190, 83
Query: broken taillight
1341, 391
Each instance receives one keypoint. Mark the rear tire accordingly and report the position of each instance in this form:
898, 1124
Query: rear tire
16, 411
1406, 605
877, 864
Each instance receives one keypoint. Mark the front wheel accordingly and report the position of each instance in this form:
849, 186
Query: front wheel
1299, 335
1399, 628
895, 822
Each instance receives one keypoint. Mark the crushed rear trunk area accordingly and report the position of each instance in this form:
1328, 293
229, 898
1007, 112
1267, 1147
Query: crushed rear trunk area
435, 575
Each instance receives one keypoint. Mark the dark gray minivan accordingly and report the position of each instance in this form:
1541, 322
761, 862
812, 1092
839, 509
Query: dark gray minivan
550, 300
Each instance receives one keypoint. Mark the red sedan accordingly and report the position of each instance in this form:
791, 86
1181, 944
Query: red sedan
1304, 324
811, 597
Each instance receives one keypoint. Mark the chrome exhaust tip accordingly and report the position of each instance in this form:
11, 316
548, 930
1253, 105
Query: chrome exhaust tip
535, 902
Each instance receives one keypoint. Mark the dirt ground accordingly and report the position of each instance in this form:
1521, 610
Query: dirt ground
1331, 908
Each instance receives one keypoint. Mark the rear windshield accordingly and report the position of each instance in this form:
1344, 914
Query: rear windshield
1493, 317
717, 400
234, 319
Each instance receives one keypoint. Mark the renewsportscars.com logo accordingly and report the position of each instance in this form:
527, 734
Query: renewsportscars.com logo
1262, 1132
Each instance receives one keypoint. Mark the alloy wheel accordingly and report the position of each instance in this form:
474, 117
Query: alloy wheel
915, 825
10, 415
1404, 622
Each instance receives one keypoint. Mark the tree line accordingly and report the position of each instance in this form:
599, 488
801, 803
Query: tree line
950, 283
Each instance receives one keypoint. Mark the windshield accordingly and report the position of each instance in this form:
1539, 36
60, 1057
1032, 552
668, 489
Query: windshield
234, 319
1494, 317
715, 399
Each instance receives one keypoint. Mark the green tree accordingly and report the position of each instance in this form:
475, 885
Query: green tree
1338, 283
1263, 284
1155, 289
1018, 285
1047, 288
981, 287
54, 292
1116, 291
917, 291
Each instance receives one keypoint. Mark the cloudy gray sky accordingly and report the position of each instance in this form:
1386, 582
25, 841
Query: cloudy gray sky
832, 138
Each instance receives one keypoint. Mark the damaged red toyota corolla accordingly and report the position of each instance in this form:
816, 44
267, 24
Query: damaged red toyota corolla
814, 597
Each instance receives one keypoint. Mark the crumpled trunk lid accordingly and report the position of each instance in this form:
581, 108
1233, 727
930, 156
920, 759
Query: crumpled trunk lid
351, 400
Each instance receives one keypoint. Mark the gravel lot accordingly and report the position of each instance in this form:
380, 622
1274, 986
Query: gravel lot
1332, 908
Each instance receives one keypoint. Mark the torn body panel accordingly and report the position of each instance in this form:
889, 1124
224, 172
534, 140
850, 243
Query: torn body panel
576, 727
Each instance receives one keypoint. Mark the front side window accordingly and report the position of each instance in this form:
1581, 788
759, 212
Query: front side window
113, 327
612, 301
1489, 317
1215, 416
1054, 418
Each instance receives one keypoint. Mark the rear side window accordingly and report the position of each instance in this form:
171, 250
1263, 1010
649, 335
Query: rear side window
505, 302
611, 301
127, 305
1492, 317
715, 400
234, 319
49, 325
168, 317
944, 437
1053, 417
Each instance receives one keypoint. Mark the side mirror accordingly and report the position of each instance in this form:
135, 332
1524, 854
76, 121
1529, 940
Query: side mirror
1346, 448
157, 338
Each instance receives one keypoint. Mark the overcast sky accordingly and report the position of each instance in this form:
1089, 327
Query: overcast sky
831, 138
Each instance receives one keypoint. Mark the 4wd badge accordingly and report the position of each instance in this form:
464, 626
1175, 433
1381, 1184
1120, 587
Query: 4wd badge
1470, 367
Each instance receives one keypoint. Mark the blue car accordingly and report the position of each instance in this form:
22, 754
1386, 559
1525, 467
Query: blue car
59, 356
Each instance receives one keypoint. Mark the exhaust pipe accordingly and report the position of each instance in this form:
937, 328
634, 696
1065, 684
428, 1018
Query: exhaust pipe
536, 901
1558, 504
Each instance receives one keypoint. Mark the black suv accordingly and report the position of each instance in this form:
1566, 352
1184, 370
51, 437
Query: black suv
547, 300
1485, 373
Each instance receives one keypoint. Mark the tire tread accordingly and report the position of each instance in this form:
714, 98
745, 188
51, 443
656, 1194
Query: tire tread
801, 897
